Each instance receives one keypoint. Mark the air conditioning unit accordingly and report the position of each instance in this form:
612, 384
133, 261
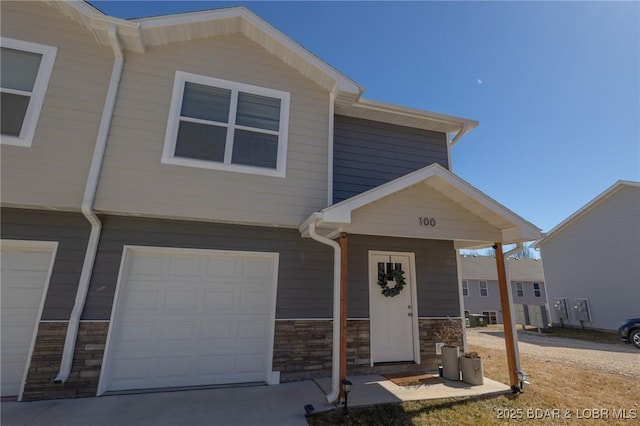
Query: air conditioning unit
581, 310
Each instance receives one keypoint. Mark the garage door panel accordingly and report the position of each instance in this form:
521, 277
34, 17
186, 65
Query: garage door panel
207, 319
25, 268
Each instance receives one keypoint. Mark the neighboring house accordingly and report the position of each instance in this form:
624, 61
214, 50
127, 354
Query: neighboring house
171, 190
592, 261
480, 284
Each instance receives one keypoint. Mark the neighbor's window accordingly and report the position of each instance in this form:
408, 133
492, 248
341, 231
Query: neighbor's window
484, 291
519, 290
536, 290
465, 288
220, 124
24, 76
492, 316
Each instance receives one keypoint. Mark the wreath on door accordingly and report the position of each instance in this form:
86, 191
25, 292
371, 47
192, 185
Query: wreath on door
395, 275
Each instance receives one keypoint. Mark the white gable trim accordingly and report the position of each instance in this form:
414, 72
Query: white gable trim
586, 209
518, 229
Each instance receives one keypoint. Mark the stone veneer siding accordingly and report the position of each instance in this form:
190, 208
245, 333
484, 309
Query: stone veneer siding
302, 349
47, 353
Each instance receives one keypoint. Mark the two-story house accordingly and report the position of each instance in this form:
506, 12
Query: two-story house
480, 285
184, 197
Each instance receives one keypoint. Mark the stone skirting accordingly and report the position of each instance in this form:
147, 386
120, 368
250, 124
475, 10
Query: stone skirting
302, 349
47, 353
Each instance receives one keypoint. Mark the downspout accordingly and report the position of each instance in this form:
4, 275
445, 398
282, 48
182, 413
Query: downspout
335, 356
87, 208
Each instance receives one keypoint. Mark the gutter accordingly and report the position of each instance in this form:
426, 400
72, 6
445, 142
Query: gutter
335, 356
87, 208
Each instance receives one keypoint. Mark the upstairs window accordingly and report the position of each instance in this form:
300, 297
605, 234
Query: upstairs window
219, 124
536, 290
465, 288
484, 291
519, 290
24, 76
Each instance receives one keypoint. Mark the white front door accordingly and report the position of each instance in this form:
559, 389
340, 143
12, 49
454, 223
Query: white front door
393, 329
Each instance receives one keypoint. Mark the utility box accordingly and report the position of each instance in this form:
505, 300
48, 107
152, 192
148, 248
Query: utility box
581, 310
476, 320
560, 308
522, 314
538, 316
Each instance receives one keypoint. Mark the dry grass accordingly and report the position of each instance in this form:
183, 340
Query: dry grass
580, 334
554, 386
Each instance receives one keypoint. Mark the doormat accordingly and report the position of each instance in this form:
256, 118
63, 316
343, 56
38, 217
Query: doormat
414, 379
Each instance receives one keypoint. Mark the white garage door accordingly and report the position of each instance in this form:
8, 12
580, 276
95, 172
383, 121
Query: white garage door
24, 278
191, 318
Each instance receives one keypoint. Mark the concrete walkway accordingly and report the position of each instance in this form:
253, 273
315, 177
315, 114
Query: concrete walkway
252, 405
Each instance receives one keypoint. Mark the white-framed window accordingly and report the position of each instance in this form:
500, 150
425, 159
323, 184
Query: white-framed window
492, 316
224, 125
24, 76
536, 290
484, 290
465, 288
519, 289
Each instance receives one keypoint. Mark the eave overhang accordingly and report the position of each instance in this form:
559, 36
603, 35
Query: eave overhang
494, 222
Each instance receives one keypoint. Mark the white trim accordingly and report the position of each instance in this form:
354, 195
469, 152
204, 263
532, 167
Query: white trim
53, 246
493, 312
116, 309
521, 288
414, 301
39, 89
486, 286
464, 287
585, 209
461, 300
174, 118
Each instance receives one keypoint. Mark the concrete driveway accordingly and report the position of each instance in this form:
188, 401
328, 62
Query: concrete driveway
251, 405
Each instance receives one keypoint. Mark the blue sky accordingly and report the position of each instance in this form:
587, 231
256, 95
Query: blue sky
555, 86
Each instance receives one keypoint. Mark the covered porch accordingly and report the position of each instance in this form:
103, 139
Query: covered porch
405, 290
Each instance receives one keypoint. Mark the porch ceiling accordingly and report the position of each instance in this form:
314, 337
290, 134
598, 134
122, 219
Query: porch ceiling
399, 208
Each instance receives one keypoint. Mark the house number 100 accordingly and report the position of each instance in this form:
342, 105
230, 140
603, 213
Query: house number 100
427, 221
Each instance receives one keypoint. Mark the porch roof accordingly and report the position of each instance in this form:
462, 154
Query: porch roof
430, 203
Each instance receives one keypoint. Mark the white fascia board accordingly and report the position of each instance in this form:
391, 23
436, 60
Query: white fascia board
345, 84
585, 209
457, 122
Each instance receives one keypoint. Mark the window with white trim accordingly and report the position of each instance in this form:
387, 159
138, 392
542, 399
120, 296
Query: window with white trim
484, 291
220, 124
24, 76
492, 316
519, 289
536, 290
465, 288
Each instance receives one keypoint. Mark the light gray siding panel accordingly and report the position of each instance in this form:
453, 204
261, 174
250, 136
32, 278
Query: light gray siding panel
436, 274
305, 285
368, 154
53, 171
597, 257
71, 231
134, 180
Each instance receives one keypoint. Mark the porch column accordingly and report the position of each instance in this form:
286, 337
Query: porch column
343, 310
506, 317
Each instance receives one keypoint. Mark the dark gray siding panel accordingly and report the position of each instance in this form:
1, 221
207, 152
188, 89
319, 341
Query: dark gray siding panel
369, 153
436, 274
71, 231
305, 285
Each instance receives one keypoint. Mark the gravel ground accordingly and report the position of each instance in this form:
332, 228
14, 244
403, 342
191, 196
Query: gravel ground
608, 358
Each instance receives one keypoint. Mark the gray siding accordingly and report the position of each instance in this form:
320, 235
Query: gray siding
305, 285
436, 274
71, 231
476, 304
369, 153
